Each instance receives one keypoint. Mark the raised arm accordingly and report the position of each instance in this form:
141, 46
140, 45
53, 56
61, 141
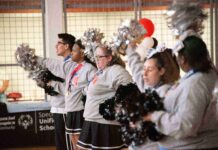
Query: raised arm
136, 66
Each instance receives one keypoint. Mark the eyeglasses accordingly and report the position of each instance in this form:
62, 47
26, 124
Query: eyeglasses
99, 57
59, 42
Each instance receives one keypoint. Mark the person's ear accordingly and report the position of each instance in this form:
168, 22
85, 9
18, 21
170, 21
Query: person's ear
82, 53
66, 46
109, 57
181, 60
162, 71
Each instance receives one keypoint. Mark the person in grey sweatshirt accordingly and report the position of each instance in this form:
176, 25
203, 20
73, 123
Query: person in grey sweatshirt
159, 72
63, 48
77, 80
190, 121
98, 133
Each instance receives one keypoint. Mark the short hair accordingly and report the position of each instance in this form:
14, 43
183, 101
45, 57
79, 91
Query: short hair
68, 39
167, 60
196, 54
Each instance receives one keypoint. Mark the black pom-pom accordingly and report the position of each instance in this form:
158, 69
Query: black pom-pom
152, 101
127, 98
122, 116
44, 76
135, 136
131, 105
152, 133
50, 90
107, 110
126, 93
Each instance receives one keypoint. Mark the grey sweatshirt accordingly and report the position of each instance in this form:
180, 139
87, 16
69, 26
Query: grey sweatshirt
79, 82
102, 88
61, 69
189, 121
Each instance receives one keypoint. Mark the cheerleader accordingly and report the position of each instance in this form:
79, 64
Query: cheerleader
189, 121
98, 133
159, 72
60, 68
78, 71
77, 80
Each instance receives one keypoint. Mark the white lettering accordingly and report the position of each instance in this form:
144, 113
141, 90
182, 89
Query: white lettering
46, 128
46, 121
45, 115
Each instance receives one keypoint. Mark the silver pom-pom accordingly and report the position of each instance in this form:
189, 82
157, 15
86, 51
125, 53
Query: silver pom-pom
91, 39
129, 30
183, 16
26, 58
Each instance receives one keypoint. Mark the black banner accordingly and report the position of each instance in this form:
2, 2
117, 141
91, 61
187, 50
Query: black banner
27, 129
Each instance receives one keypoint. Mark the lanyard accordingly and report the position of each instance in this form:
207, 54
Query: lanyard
94, 79
66, 58
99, 72
73, 73
188, 74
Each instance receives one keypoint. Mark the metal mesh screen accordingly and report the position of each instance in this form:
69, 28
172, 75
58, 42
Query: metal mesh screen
20, 22
107, 15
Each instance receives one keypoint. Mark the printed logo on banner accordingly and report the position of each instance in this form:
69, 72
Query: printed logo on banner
45, 121
25, 121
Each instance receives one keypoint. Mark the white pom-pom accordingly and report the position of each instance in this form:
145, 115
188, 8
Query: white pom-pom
143, 47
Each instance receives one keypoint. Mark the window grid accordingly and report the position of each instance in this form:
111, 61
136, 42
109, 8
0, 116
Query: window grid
108, 21
15, 29
106, 15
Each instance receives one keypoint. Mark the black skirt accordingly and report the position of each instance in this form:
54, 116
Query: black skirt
74, 122
98, 136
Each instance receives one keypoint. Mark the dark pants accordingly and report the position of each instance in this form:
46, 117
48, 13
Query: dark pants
60, 138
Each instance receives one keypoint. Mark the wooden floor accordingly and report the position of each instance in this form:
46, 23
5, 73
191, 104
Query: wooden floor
32, 148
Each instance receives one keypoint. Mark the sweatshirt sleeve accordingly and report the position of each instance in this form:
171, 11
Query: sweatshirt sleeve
56, 66
59, 87
120, 76
60, 69
136, 66
90, 76
187, 116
